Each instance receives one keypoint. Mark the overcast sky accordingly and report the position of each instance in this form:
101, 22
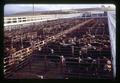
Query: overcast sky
15, 8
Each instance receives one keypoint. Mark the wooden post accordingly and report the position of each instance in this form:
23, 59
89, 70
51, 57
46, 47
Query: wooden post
72, 50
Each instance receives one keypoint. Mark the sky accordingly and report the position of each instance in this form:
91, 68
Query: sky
16, 8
